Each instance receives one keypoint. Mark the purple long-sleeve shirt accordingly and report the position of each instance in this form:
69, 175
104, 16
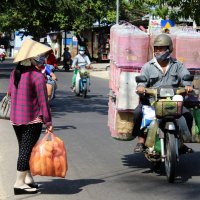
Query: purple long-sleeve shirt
29, 100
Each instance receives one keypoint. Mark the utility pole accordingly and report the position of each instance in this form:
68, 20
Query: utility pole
117, 13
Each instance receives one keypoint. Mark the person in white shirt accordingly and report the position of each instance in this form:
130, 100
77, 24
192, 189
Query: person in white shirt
81, 60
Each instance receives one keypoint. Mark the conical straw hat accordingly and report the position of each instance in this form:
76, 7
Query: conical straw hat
30, 49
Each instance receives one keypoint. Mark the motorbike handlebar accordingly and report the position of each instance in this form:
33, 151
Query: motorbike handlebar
154, 91
151, 91
87, 67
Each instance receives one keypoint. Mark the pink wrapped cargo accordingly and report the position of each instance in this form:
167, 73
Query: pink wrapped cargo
122, 84
114, 75
112, 38
129, 46
188, 49
120, 123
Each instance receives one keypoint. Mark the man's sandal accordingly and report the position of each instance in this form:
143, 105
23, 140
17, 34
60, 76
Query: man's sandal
140, 147
184, 150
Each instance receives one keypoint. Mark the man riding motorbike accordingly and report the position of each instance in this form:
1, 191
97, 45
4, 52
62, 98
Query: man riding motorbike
81, 60
162, 70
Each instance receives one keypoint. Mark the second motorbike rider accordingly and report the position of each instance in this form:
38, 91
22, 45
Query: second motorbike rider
162, 70
81, 60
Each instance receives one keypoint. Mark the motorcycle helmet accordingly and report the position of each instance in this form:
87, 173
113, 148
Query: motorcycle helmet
163, 40
81, 50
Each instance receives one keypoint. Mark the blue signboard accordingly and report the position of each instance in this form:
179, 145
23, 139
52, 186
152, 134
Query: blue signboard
167, 23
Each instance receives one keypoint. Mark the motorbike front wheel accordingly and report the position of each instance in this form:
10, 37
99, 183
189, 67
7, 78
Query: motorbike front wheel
171, 158
84, 90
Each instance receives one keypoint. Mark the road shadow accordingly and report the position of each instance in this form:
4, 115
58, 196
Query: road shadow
63, 71
137, 160
2, 95
67, 102
5, 73
188, 166
65, 186
4, 76
58, 128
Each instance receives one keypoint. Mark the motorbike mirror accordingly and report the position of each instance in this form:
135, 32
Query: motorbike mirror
140, 79
188, 77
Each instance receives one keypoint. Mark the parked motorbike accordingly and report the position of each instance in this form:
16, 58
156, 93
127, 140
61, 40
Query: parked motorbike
67, 65
2, 57
164, 136
82, 82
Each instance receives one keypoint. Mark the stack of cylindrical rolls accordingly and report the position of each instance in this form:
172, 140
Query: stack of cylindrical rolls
48, 157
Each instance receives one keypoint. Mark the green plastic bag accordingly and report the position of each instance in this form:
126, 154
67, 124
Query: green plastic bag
196, 114
151, 136
157, 144
196, 125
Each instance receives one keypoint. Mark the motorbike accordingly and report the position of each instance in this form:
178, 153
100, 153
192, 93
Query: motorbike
54, 86
82, 82
50, 80
164, 136
2, 57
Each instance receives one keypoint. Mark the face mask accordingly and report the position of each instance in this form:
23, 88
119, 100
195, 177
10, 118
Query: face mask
81, 52
160, 57
40, 60
26, 62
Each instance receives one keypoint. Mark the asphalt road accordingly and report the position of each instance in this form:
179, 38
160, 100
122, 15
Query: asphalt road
100, 167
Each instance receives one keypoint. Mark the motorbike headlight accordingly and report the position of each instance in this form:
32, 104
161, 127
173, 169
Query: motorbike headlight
166, 92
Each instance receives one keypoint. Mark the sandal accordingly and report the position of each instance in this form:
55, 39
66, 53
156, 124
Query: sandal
18, 191
33, 185
184, 150
140, 147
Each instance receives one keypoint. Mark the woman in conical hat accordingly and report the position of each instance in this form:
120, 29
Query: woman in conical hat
29, 110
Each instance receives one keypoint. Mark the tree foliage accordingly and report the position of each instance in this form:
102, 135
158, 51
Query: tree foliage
39, 17
175, 9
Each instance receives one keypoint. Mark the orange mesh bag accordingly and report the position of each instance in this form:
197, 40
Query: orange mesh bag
48, 157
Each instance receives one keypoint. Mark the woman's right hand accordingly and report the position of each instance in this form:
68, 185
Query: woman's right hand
49, 129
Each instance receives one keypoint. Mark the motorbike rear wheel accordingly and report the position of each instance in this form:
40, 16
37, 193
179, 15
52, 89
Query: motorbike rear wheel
66, 68
171, 158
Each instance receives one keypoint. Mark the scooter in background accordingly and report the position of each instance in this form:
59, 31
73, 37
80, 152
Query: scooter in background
82, 82
2, 57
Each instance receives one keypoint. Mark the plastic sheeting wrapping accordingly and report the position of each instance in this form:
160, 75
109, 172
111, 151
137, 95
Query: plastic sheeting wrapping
120, 123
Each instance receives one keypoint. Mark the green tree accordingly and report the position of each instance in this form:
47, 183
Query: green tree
39, 17
132, 11
175, 9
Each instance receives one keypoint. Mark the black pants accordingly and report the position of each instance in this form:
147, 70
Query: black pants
137, 120
27, 136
